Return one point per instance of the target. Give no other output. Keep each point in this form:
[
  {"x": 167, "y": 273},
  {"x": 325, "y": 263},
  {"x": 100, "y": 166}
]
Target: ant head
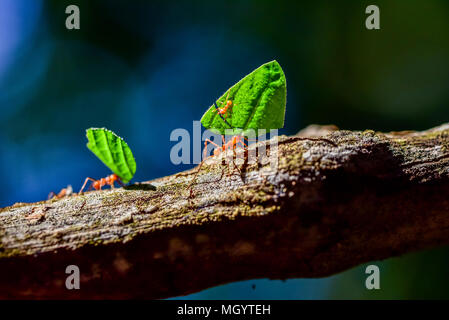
[
  {"x": 113, "y": 177},
  {"x": 229, "y": 103}
]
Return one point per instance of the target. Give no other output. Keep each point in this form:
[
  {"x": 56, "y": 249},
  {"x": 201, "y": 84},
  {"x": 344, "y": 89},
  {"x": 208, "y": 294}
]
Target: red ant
[
  {"x": 98, "y": 184},
  {"x": 231, "y": 144},
  {"x": 223, "y": 110}
]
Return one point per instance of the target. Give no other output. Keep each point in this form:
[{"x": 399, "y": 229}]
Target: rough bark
[{"x": 335, "y": 200}]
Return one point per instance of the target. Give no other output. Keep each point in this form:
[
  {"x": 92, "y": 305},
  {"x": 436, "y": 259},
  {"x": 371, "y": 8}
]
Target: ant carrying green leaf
[
  {"x": 256, "y": 102},
  {"x": 114, "y": 152}
]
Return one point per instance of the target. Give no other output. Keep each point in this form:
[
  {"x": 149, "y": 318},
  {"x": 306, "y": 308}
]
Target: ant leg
[
  {"x": 205, "y": 147},
  {"x": 223, "y": 139},
  {"x": 244, "y": 145},
  {"x": 249, "y": 140},
  {"x": 120, "y": 182},
  {"x": 196, "y": 174},
  {"x": 239, "y": 144},
  {"x": 256, "y": 150},
  {"x": 201, "y": 164},
  {"x": 233, "y": 161},
  {"x": 227, "y": 96},
  {"x": 84, "y": 185},
  {"x": 224, "y": 103},
  {"x": 226, "y": 114},
  {"x": 226, "y": 148},
  {"x": 217, "y": 109}
]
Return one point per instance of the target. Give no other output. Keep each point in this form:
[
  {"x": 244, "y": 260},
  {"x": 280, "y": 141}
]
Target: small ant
[
  {"x": 63, "y": 193},
  {"x": 98, "y": 184},
  {"x": 231, "y": 144},
  {"x": 223, "y": 110}
]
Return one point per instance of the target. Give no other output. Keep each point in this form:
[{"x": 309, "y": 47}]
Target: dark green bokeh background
[{"x": 144, "y": 68}]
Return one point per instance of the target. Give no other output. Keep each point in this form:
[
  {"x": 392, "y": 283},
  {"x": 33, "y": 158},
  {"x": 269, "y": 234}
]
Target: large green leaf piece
[
  {"x": 259, "y": 101},
  {"x": 113, "y": 151}
]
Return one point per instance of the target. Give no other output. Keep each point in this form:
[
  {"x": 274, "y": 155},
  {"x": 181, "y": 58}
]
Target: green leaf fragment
[
  {"x": 259, "y": 101},
  {"x": 113, "y": 151}
]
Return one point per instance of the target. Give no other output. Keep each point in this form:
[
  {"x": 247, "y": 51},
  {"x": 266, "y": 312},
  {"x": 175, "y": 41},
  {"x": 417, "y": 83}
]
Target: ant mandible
[{"x": 98, "y": 184}]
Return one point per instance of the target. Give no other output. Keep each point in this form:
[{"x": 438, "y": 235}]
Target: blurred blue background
[{"x": 145, "y": 68}]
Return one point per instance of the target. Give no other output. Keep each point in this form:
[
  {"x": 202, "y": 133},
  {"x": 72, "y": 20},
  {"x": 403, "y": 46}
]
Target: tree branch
[{"x": 336, "y": 199}]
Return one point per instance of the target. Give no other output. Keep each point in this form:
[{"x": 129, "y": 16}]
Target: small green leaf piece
[
  {"x": 113, "y": 151},
  {"x": 259, "y": 101}
]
